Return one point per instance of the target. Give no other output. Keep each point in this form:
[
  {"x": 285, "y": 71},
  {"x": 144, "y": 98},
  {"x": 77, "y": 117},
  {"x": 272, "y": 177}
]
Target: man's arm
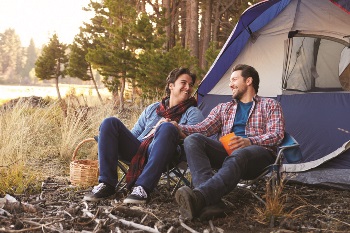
[
  {"x": 182, "y": 135},
  {"x": 209, "y": 126},
  {"x": 274, "y": 126},
  {"x": 191, "y": 117}
]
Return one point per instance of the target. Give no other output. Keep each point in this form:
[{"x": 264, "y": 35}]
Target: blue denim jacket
[{"x": 149, "y": 118}]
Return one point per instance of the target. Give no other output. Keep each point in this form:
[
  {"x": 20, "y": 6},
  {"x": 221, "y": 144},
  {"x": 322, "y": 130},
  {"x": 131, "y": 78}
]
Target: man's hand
[
  {"x": 238, "y": 142},
  {"x": 182, "y": 135}
]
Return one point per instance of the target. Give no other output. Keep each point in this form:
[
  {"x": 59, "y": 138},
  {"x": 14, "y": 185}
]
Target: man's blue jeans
[
  {"x": 116, "y": 142},
  {"x": 205, "y": 154}
]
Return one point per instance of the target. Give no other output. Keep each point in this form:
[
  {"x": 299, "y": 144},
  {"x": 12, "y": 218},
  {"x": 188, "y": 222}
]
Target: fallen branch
[
  {"x": 132, "y": 224},
  {"x": 117, "y": 230},
  {"x": 92, "y": 216},
  {"x": 144, "y": 218},
  {"x": 187, "y": 227},
  {"x": 131, "y": 212},
  {"x": 170, "y": 229},
  {"x": 22, "y": 230},
  {"x": 38, "y": 226},
  {"x": 45, "y": 225},
  {"x": 2, "y": 212},
  {"x": 65, "y": 212},
  {"x": 98, "y": 226},
  {"x": 212, "y": 227},
  {"x": 135, "y": 211},
  {"x": 313, "y": 229},
  {"x": 215, "y": 229},
  {"x": 10, "y": 204},
  {"x": 86, "y": 205}
]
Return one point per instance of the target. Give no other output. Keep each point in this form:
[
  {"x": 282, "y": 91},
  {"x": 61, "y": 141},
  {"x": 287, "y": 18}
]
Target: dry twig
[
  {"x": 336, "y": 219},
  {"x": 132, "y": 224},
  {"x": 187, "y": 227},
  {"x": 38, "y": 226}
]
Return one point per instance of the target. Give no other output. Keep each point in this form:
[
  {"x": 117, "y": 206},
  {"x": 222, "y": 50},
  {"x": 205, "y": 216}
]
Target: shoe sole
[
  {"x": 183, "y": 197},
  {"x": 131, "y": 201},
  {"x": 94, "y": 199}
]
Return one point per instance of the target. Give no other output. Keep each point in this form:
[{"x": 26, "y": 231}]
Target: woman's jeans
[
  {"x": 205, "y": 154},
  {"x": 116, "y": 142}
]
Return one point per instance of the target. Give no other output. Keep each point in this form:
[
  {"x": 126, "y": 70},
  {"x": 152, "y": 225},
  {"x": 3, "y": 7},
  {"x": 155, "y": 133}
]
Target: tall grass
[
  {"x": 19, "y": 179},
  {"x": 40, "y": 141},
  {"x": 26, "y": 131},
  {"x": 275, "y": 206},
  {"x": 274, "y": 203}
]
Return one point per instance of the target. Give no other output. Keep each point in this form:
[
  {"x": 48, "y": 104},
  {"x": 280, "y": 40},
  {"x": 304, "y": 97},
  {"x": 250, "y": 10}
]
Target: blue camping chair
[{"x": 288, "y": 151}]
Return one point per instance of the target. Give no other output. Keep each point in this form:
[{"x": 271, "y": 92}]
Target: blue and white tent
[{"x": 301, "y": 49}]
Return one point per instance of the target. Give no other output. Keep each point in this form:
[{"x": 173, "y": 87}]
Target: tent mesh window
[{"x": 316, "y": 64}]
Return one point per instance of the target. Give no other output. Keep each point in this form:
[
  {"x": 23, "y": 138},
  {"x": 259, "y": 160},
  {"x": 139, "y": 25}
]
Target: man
[
  {"x": 258, "y": 125},
  {"x": 150, "y": 145}
]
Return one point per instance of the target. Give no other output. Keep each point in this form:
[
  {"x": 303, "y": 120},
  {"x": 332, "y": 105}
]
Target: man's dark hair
[
  {"x": 174, "y": 75},
  {"x": 249, "y": 71}
]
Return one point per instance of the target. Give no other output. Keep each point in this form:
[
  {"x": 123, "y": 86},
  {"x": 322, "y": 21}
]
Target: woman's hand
[
  {"x": 161, "y": 121},
  {"x": 182, "y": 135}
]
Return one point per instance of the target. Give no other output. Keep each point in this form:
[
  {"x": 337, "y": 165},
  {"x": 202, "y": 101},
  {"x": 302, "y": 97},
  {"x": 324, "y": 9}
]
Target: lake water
[{"x": 11, "y": 92}]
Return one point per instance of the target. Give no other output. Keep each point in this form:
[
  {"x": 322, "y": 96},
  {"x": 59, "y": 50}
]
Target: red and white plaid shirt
[{"x": 265, "y": 124}]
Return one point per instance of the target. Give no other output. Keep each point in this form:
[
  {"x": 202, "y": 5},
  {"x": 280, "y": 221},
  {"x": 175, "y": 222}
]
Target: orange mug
[{"x": 225, "y": 140}]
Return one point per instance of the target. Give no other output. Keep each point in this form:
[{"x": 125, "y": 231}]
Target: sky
[{"x": 40, "y": 19}]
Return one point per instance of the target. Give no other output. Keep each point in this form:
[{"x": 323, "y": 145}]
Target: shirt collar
[{"x": 256, "y": 98}]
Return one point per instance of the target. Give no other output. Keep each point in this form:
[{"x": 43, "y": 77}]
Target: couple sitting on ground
[{"x": 257, "y": 122}]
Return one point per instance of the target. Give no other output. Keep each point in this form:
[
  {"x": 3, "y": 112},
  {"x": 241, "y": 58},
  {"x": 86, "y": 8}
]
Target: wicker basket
[{"x": 83, "y": 172}]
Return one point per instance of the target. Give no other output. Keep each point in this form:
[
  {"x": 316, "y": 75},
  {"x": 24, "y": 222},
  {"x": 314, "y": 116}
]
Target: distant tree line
[
  {"x": 134, "y": 41},
  {"x": 16, "y": 62}
]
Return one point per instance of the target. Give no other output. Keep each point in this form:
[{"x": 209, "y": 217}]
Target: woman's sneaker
[
  {"x": 100, "y": 192},
  {"x": 138, "y": 196}
]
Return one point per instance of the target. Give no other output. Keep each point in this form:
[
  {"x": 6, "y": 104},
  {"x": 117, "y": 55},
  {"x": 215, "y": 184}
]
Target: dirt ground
[{"x": 60, "y": 208}]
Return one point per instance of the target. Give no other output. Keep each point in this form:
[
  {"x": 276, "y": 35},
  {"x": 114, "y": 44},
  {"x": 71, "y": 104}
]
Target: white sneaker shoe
[{"x": 138, "y": 196}]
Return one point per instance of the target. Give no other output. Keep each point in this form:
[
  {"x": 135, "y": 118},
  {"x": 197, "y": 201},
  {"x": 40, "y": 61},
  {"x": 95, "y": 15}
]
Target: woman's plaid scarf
[{"x": 139, "y": 160}]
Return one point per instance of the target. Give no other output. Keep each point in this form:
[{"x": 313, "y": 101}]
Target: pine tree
[
  {"x": 11, "y": 54},
  {"x": 114, "y": 56},
  {"x": 31, "y": 55},
  {"x": 51, "y": 65},
  {"x": 78, "y": 66}
]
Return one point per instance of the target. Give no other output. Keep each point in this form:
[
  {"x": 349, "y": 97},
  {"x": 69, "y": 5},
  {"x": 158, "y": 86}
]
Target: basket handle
[{"x": 79, "y": 145}]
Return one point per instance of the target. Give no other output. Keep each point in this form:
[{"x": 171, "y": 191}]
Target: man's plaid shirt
[{"x": 265, "y": 124}]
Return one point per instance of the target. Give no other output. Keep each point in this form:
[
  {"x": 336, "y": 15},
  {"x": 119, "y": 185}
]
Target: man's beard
[{"x": 239, "y": 94}]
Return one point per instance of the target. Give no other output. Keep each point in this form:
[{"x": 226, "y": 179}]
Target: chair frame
[
  {"x": 175, "y": 173},
  {"x": 172, "y": 168},
  {"x": 177, "y": 178},
  {"x": 180, "y": 175},
  {"x": 274, "y": 169}
]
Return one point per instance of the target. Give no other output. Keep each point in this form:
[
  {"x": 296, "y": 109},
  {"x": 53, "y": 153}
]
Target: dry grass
[
  {"x": 275, "y": 202},
  {"x": 27, "y": 131},
  {"x": 275, "y": 206},
  {"x": 19, "y": 179},
  {"x": 35, "y": 139}
]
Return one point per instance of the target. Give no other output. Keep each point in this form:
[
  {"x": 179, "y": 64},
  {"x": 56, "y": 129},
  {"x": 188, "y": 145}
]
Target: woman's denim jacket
[{"x": 149, "y": 118}]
